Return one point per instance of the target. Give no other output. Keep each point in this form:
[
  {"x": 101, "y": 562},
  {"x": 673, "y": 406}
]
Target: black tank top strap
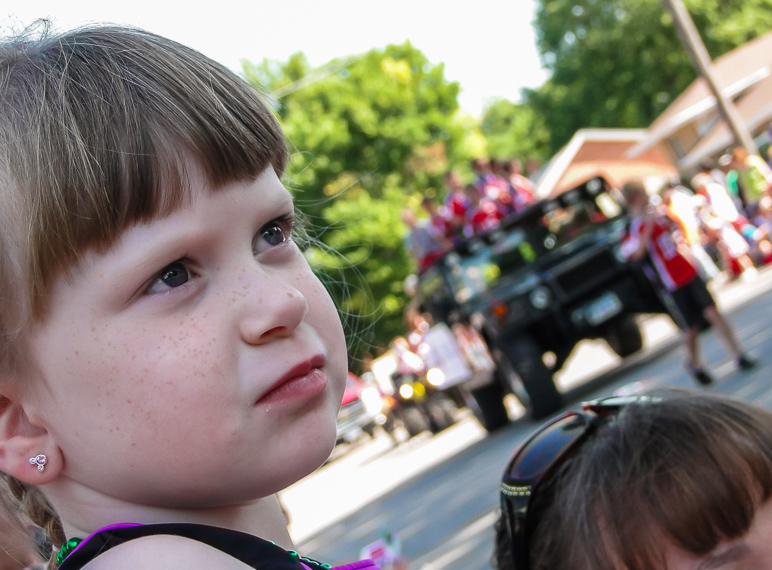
[{"x": 249, "y": 549}]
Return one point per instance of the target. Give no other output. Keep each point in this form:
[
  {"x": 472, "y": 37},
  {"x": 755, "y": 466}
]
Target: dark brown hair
[
  {"x": 690, "y": 470},
  {"x": 95, "y": 127}
]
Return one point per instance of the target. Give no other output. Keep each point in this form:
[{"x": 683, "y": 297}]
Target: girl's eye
[
  {"x": 273, "y": 233},
  {"x": 172, "y": 276}
]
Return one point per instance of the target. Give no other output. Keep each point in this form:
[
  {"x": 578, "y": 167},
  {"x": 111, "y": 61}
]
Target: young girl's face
[{"x": 198, "y": 361}]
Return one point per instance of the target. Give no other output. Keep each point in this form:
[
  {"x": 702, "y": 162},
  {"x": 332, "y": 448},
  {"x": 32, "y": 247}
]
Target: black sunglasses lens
[
  {"x": 530, "y": 462},
  {"x": 614, "y": 404},
  {"x": 538, "y": 457}
]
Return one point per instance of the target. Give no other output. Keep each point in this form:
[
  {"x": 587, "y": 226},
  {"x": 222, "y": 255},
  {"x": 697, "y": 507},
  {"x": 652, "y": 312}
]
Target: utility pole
[{"x": 702, "y": 63}]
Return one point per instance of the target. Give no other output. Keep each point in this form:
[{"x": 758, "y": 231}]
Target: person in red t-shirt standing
[{"x": 674, "y": 265}]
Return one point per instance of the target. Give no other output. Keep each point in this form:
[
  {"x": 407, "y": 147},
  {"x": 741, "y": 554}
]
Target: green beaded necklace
[
  {"x": 71, "y": 544},
  {"x": 65, "y": 550},
  {"x": 309, "y": 561}
]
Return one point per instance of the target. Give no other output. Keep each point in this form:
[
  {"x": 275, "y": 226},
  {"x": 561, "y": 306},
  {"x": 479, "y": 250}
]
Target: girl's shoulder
[
  {"x": 183, "y": 545},
  {"x": 162, "y": 552}
]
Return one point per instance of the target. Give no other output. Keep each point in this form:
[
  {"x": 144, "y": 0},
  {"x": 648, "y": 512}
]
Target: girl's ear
[{"x": 27, "y": 451}]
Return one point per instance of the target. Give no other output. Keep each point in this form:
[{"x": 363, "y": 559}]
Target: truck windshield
[
  {"x": 574, "y": 215},
  {"x": 548, "y": 227}
]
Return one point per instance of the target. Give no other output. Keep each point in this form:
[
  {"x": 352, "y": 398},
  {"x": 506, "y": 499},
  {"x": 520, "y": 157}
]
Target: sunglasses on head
[{"x": 537, "y": 459}]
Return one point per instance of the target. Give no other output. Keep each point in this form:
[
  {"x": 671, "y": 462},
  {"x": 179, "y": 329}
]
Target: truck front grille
[{"x": 585, "y": 274}]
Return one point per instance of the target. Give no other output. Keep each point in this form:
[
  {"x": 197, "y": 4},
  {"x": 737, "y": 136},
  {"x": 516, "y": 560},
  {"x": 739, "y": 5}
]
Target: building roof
[
  {"x": 601, "y": 152},
  {"x": 737, "y": 71},
  {"x": 755, "y": 109}
]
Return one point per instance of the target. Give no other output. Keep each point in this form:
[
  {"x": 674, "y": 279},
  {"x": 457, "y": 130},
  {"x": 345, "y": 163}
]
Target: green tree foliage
[
  {"x": 620, "y": 63},
  {"x": 386, "y": 112},
  {"x": 370, "y": 135},
  {"x": 514, "y": 130}
]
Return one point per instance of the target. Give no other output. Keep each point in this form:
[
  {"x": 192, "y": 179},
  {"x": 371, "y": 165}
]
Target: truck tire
[
  {"x": 508, "y": 377},
  {"x": 524, "y": 359},
  {"x": 487, "y": 405},
  {"x": 624, "y": 337}
]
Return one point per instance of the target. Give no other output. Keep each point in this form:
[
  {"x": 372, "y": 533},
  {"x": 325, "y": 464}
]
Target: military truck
[{"x": 546, "y": 279}]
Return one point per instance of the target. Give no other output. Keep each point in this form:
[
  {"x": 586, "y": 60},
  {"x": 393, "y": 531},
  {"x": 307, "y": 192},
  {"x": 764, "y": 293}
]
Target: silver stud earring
[{"x": 40, "y": 461}]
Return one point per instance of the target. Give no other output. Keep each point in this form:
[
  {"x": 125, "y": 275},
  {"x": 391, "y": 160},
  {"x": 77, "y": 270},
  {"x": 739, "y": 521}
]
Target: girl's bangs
[{"x": 103, "y": 122}]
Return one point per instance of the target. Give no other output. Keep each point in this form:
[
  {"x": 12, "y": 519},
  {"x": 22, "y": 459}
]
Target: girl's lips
[{"x": 302, "y": 382}]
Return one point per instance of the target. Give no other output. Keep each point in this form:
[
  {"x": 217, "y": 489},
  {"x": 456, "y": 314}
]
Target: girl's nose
[{"x": 272, "y": 314}]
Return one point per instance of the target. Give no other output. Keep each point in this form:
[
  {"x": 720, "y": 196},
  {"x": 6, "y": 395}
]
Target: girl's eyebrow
[
  {"x": 718, "y": 558},
  {"x": 169, "y": 239}
]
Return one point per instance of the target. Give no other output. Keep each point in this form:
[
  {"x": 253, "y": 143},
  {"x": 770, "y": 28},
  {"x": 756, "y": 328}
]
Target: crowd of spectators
[
  {"x": 497, "y": 190},
  {"x": 725, "y": 218}
]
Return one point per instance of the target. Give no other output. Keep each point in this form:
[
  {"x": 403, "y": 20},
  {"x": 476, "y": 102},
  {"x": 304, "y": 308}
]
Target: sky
[{"x": 488, "y": 46}]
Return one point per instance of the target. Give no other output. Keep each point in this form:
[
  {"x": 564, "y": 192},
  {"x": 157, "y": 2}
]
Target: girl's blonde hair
[{"x": 94, "y": 126}]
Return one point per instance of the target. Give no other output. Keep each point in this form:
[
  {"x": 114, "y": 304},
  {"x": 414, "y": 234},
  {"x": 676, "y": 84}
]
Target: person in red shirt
[
  {"x": 456, "y": 203},
  {"x": 670, "y": 255},
  {"x": 423, "y": 240},
  {"x": 438, "y": 215},
  {"x": 483, "y": 214}
]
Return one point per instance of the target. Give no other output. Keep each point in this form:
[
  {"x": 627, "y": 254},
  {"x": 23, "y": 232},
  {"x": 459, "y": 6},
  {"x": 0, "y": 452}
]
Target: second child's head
[
  {"x": 163, "y": 341},
  {"x": 677, "y": 480}
]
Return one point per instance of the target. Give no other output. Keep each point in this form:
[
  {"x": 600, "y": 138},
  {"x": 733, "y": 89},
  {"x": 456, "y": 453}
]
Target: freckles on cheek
[{"x": 181, "y": 357}]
